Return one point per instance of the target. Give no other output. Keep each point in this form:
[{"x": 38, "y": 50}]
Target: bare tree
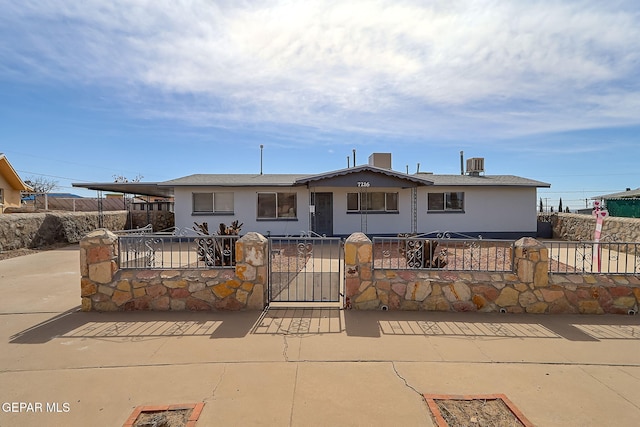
[
  {"x": 122, "y": 178},
  {"x": 41, "y": 184}
]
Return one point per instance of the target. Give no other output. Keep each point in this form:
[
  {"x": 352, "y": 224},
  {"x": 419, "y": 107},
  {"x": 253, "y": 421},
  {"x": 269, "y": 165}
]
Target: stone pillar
[
  {"x": 252, "y": 260},
  {"x": 98, "y": 263},
  {"x": 358, "y": 258},
  {"x": 531, "y": 262}
]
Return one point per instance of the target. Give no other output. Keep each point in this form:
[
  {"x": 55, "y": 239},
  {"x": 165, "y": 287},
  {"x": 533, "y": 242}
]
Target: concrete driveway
[{"x": 297, "y": 367}]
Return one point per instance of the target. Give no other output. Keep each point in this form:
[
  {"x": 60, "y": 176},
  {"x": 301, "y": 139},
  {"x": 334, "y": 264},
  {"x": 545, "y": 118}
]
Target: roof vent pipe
[
  {"x": 354, "y": 157},
  {"x": 461, "y": 162},
  {"x": 418, "y": 168},
  {"x": 348, "y": 162},
  {"x": 261, "y": 149}
]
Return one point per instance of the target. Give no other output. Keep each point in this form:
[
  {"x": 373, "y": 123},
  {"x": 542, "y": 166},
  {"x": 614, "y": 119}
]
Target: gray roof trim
[
  {"x": 235, "y": 180},
  {"x": 485, "y": 180},
  {"x": 364, "y": 168}
]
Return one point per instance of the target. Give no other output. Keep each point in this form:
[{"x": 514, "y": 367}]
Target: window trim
[
  {"x": 372, "y": 211},
  {"x": 213, "y": 203},
  {"x": 445, "y": 210},
  {"x": 277, "y": 214}
]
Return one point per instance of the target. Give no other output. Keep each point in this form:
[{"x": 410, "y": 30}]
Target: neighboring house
[
  {"x": 151, "y": 204},
  {"x": 11, "y": 185},
  {"x": 624, "y": 204},
  {"x": 370, "y": 198}
]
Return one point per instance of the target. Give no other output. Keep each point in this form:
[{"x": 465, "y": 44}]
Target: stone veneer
[
  {"x": 105, "y": 287},
  {"x": 576, "y": 227},
  {"x": 528, "y": 289}
]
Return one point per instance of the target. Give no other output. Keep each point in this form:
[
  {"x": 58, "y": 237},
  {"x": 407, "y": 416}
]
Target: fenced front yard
[
  {"x": 594, "y": 257},
  {"x": 167, "y": 251},
  {"x": 403, "y": 253},
  {"x": 491, "y": 255}
]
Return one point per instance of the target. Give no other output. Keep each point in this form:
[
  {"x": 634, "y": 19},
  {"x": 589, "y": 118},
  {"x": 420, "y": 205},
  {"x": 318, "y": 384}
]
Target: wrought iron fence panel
[
  {"x": 305, "y": 269},
  {"x": 442, "y": 253},
  {"x": 594, "y": 257},
  {"x": 162, "y": 251}
]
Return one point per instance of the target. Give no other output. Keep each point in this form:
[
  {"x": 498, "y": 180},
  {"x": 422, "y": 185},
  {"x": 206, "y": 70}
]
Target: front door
[{"x": 322, "y": 220}]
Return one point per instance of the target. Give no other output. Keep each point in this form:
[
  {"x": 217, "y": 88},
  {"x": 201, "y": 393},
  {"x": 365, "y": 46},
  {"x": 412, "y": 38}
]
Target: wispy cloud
[{"x": 488, "y": 68}]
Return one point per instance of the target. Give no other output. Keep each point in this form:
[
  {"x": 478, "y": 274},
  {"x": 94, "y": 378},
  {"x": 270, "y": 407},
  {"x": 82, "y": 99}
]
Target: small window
[
  {"x": 221, "y": 202},
  {"x": 372, "y": 202},
  {"x": 445, "y": 202},
  {"x": 202, "y": 202},
  {"x": 277, "y": 205}
]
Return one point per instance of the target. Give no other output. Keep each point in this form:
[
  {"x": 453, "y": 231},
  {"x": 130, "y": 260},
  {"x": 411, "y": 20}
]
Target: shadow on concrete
[
  {"x": 495, "y": 325},
  {"x": 318, "y": 321},
  {"x": 139, "y": 325}
]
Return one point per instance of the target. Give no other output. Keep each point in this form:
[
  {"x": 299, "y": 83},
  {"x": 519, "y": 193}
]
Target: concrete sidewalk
[{"x": 298, "y": 367}]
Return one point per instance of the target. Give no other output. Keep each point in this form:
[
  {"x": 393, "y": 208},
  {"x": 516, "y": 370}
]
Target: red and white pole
[{"x": 600, "y": 215}]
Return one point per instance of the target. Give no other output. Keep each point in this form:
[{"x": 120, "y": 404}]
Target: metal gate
[{"x": 305, "y": 269}]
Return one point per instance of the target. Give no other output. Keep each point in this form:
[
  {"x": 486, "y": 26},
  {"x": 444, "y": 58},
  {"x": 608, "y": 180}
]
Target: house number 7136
[{"x": 364, "y": 184}]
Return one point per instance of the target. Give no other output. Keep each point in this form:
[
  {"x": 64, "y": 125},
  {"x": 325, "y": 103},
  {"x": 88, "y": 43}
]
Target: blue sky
[{"x": 543, "y": 89}]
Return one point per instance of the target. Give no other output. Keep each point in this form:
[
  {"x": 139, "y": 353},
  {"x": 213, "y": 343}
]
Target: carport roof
[{"x": 141, "y": 188}]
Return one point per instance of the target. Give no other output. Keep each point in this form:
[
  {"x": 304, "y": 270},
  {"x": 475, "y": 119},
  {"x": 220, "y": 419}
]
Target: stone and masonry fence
[
  {"x": 105, "y": 287},
  {"x": 576, "y": 227},
  {"x": 34, "y": 230},
  {"x": 528, "y": 289},
  {"x": 160, "y": 220}
]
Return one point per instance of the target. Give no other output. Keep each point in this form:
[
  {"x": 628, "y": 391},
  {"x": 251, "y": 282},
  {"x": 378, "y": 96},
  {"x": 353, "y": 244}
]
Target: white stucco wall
[
  {"x": 245, "y": 210},
  {"x": 487, "y": 209}
]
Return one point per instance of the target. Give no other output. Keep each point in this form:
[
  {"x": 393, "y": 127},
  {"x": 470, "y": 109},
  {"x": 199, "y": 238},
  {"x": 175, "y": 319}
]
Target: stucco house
[
  {"x": 10, "y": 185},
  {"x": 371, "y": 198}
]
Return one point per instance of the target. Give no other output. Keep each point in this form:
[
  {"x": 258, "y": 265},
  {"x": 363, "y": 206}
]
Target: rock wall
[
  {"x": 33, "y": 230},
  {"x": 106, "y": 287},
  {"x": 576, "y": 227},
  {"x": 160, "y": 220},
  {"x": 528, "y": 289}
]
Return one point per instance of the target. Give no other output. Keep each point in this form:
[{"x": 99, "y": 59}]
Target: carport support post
[{"x": 360, "y": 290}]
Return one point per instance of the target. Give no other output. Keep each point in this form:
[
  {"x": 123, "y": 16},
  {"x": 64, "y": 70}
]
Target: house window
[
  {"x": 277, "y": 205},
  {"x": 445, "y": 202},
  {"x": 372, "y": 202},
  {"x": 219, "y": 203},
  {"x": 1, "y": 196}
]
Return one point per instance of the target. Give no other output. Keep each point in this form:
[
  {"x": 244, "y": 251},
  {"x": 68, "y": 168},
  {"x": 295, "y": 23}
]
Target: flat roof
[{"x": 166, "y": 188}]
